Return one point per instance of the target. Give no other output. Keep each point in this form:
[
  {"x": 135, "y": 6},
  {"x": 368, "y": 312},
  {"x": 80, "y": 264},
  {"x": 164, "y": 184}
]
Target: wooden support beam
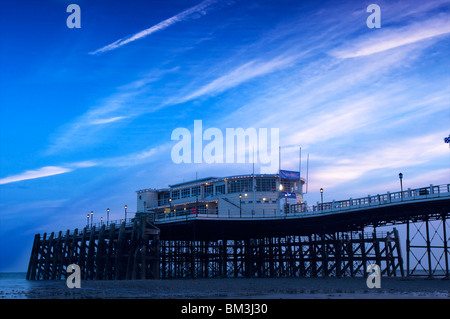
[
  {"x": 31, "y": 272},
  {"x": 99, "y": 260},
  {"x": 119, "y": 248},
  {"x": 47, "y": 261}
]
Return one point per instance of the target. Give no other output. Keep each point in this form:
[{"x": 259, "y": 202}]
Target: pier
[{"x": 327, "y": 239}]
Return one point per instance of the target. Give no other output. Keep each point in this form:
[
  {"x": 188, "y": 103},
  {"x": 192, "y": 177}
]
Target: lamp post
[
  {"x": 281, "y": 189},
  {"x": 126, "y": 214},
  {"x": 107, "y": 216},
  {"x": 285, "y": 203},
  {"x": 321, "y": 200},
  {"x": 196, "y": 205},
  {"x": 87, "y": 216},
  {"x": 400, "y": 176},
  {"x": 170, "y": 205},
  {"x": 92, "y": 218},
  {"x": 240, "y": 205},
  {"x": 101, "y": 221}
]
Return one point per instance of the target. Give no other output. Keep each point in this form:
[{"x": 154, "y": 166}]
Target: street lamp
[
  {"x": 107, "y": 216},
  {"x": 101, "y": 221},
  {"x": 400, "y": 176},
  {"x": 240, "y": 205},
  {"x": 285, "y": 203},
  {"x": 321, "y": 199},
  {"x": 92, "y": 218},
  {"x": 126, "y": 214},
  {"x": 170, "y": 203},
  {"x": 87, "y": 220}
]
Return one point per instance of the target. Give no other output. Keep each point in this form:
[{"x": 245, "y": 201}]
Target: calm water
[
  {"x": 13, "y": 282},
  {"x": 13, "y": 285}
]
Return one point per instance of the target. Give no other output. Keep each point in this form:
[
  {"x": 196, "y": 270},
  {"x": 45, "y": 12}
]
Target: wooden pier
[
  {"x": 105, "y": 253},
  {"x": 304, "y": 243},
  {"x": 136, "y": 251},
  {"x": 338, "y": 255}
]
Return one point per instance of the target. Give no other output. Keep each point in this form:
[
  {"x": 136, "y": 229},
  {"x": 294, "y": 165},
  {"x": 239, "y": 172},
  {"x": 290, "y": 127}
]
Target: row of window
[
  {"x": 246, "y": 185},
  {"x": 234, "y": 186},
  {"x": 259, "y": 202}
]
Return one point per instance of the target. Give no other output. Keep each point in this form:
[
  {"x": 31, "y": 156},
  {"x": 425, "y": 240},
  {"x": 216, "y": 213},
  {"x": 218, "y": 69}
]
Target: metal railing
[
  {"x": 303, "y": 210},
  {"x": 296, "y": 210},
  {"x": 432, "y": 191}
]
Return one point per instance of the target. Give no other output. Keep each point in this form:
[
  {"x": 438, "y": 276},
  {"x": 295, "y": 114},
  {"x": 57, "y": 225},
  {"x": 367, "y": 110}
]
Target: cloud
[
  {"x": 47, "y": 171},
  {"x": 241, "y": 74},
  {"x": 391, "y": 38},
  {"x": 201, "y": 9},
  {"x": 403, "y": 153},
  {"x": 33, "y": 174},
  {"x": 119, "y": 161},
  {"x": 107, "y": 120},
  {"x": 125, "y": 103},
  {"x": 137, "y": 158}
]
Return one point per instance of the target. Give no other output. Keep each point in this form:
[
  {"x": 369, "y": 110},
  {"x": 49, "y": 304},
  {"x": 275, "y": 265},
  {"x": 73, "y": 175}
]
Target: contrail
[{"x": 202, "y": 9}]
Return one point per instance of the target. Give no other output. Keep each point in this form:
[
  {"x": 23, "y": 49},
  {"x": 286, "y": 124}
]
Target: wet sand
[{"x": 238, "y": 288}]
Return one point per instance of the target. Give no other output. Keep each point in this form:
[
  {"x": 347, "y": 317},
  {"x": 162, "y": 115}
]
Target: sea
[{"x": 13, "y": 285}]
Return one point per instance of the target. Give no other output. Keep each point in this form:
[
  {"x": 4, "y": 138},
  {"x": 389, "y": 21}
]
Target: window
[
  {"x": 208, "y": 190},
  {"x": 240, "y": 185},
  {"x": 163, "y": 198},
  {"x": 266, "y": 184},
  {"x": 220, "y": 189},
  {"x": 176, "y": 194},
  {"x": 195, "y": 191},
  {"x": 185, "y": 193},
  {"x": 289, "y": 186}
]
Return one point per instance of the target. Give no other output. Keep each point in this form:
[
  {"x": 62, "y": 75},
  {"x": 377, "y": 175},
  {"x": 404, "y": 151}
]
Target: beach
[{"x": 230, "y": 288}]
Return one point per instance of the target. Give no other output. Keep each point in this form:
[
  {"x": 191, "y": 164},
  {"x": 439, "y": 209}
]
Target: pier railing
[
  {"x": 432, "y": 191},
  {"x": 303, "y": 210},
  {"x": 298, "y": 210}
]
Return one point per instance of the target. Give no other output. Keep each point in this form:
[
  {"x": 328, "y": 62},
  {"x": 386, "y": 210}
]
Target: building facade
[{"x": 242, "y": 195}]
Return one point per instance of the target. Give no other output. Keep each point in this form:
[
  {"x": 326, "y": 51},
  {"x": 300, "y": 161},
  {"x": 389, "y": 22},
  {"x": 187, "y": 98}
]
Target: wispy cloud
[
  {"x": 241, "y": 74},
  {"x": 133, "y": 159},
  {"x": 107, "y": 120},
  {"x": 200, "y": 9},
  {"x": 391, "y": 38},
  {"x": 46, "y": 171},
  {"x": 87, "y": 128},
  {"x": 401, "y": 154},
  {"x": 33, "y": 174}
]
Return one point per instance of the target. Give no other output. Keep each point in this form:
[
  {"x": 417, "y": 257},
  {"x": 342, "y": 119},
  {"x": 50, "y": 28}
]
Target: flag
[{"x": 447, "y": 139}]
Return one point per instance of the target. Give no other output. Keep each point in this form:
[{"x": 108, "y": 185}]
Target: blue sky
[{"x": 86, "y": 115}]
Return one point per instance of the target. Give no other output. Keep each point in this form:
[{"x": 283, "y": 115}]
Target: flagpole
[
  {"x": 307, "y": 172},
  {"x": 300, "y": 171},
  {"x": 254, "y": 184}
]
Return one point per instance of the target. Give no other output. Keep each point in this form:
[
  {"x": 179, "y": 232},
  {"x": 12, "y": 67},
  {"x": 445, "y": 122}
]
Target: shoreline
[{"x": 236, "y": 288}]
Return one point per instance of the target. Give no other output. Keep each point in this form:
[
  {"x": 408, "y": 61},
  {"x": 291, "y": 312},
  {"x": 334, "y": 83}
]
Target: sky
[{"x": 87, "y": 114}]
